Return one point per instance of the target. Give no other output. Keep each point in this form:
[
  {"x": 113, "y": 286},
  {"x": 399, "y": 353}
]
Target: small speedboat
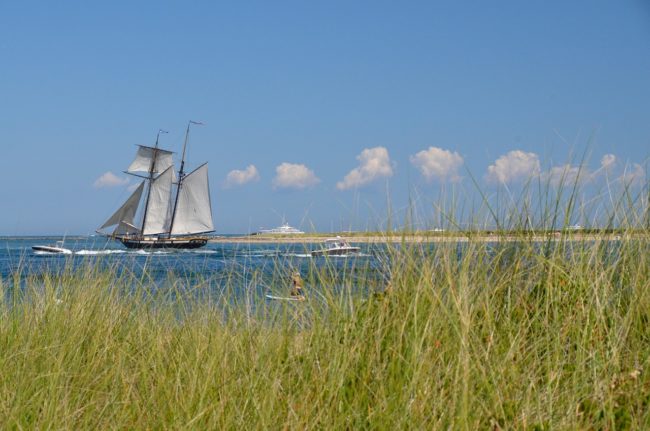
[
  {"x": 336, "y": 247},
  {"x": 54, "y": 249}
]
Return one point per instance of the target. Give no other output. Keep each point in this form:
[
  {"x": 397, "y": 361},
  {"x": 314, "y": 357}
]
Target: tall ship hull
[
  {"x": 165, "y": 210},
  {"x": 161, "y": 243}
]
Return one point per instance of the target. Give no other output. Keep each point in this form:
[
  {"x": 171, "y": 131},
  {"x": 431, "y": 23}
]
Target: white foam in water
[
  {"x": 203, "y": 251},
  {"x": 47, "y": 253},
  {"x": 149, "y": 253},
  {"x": 114, "y": 251},
  {"x": 98, "y": 252},
  {"x": 152, "y": 253}
]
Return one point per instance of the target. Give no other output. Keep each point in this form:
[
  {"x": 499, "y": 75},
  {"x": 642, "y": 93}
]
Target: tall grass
[{"x": 529, "y": 335}]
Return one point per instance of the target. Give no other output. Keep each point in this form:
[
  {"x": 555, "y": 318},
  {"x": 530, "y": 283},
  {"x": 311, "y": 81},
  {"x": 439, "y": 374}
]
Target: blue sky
[{"x": 308, "y": 92}]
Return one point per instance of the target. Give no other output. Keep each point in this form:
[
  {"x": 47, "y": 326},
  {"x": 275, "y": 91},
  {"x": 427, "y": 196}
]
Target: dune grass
[
  {"x": 521, "y": 335},
  {"x": 513, "y": 335}
]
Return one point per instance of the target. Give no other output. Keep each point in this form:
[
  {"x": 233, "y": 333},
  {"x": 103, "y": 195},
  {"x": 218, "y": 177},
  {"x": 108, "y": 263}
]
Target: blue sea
[{"x": 263, "y": 268}]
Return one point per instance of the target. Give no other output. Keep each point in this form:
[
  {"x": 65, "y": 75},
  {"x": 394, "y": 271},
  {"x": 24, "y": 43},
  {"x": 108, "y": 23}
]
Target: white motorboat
[
  {"x": 54, "y": 249},
  {"x": 281, "y": 230},
  {"x": 336, "y": 247}
]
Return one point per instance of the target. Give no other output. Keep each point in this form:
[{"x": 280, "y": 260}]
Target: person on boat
[{"x": 296, "y": 285}]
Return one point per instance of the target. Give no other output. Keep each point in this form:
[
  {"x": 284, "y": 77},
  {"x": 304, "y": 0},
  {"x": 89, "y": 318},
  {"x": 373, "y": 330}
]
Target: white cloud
[
  {"x": 515, "y": 165},
  {"x": 238, "y": 177},
  {"x": 565, "y": 175},
  {"x": 607, "y": 161},
  {"x": 436, "y": 163},
  {"x": 374, "y": 163},
  {"x": 109, "y": 179},
  {"x": 633, "y": 175},
  {"x": 294, "y": 176}
]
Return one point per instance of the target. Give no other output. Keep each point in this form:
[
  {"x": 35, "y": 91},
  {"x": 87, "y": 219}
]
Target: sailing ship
[{"x": 174, "y": 212}]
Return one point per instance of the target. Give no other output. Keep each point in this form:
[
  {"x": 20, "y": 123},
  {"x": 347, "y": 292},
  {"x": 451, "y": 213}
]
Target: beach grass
[
  {"x": 516, "y": 336},
  {"x": 513, "y": 335}
]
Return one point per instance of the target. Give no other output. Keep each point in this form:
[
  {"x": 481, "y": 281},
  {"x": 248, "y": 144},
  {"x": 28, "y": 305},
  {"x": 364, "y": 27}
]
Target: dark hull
[{"x": 175, "y": 243}]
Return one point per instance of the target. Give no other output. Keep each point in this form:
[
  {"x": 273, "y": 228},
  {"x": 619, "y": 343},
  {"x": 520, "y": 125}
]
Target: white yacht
[
  {"x": 281, "y": 230},
  {"x": 336, "y": 247}
]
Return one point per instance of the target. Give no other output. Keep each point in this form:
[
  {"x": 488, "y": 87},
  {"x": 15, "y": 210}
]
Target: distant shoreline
[{"x": 421, "y": 238}]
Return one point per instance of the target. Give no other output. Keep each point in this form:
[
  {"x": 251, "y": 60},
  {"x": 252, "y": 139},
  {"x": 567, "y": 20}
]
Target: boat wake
[
  {"x": 298, "y": 255},
  {"x": 152, "y": 253},
  {"x": 98, "y": 252},
  {"x": 138, "y": 252},
  {"x": 49, "y": 253}
]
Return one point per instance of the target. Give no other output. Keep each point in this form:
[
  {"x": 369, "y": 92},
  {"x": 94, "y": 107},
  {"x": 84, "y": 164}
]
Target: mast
[
  {"x": 181, "y": 174},
  {"x": 151, "y": 171}
]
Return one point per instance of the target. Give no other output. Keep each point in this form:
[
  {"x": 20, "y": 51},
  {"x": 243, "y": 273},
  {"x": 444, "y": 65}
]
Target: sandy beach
[{"x": 419, "y": 238}]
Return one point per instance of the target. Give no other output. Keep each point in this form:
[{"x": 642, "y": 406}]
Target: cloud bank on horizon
[{"x": 434, "y": 165}]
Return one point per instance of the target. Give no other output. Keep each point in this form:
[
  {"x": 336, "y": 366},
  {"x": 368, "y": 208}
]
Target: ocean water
[{"x": 262, "y": 268}]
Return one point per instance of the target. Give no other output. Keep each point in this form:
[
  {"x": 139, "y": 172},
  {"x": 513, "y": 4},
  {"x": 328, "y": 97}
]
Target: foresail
[
  {"x": 144, "y": 157},
  {"x": 124, "y": 228},
  {"x": 194, "y": 210},
  {"x": 159, "y": 208},
  {"x": 126, "y": 212}
]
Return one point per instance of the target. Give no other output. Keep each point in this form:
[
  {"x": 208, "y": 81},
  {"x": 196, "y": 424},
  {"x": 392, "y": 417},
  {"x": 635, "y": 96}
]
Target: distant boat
[
  {"x": 282, "y": 230},
  {"x": 336, "y": 247},
  {"x": 173, "y": 214},
  {"x": 54, "y": 249},
  {"x": 286, "y": 298}
]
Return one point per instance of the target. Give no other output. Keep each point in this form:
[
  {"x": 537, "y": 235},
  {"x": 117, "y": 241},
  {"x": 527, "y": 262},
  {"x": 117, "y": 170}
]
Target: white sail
[
  {"x": 159, "y": 207},
  {"x": 126, "y": 212},
  {"x": 194, "y": 210},
  {"x": 144, "y": 157}
]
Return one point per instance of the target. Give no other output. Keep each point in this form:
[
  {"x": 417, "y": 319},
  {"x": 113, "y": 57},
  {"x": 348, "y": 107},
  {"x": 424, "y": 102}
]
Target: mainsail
[
  {"x": 158, "y": 212},
  {"x": 194, "y": 210},
  {"x": 126, "y": 213},
  {"x": 145, "y": 157}
]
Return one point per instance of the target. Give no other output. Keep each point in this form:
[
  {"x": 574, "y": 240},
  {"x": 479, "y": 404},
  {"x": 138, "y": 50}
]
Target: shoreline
[{"x": 479, "y": 237}]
